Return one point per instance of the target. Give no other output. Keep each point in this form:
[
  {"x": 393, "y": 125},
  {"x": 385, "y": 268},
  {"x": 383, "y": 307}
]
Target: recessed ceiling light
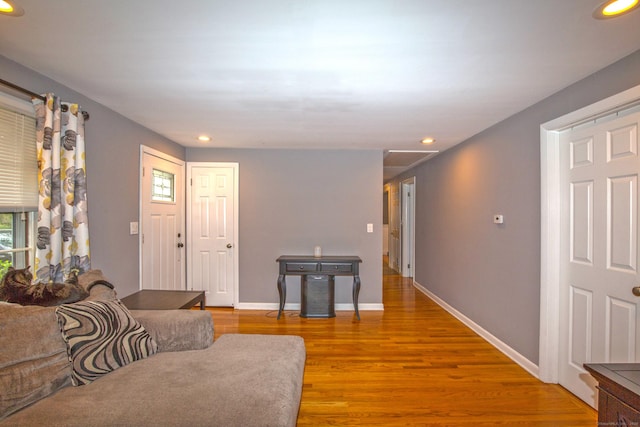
[
  {"x": 613, "y": 8},
  {"x": 428, "y": 141},
  {"x": 9, "y": 9},
  {"x": 204, "y": 138}
]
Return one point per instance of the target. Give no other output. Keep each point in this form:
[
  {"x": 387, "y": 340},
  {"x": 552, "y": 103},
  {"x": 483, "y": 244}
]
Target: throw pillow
[{"x": 101, "y": 336}]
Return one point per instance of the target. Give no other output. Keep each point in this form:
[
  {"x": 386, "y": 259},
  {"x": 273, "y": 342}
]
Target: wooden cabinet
[{"x": 619, "y": 393}]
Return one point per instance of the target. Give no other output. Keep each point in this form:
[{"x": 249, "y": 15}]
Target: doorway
[
  {"x": 401, "y": 226},
  {"x": 566, "y": 306},
  {"x": 408, "y": 227},
  {"x": 599, "y": 252},
  {"x": 394, "y": 227}
]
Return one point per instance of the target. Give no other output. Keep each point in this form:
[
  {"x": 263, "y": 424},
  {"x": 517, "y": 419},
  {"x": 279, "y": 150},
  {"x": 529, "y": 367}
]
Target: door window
[{"x": 163, "y": 188}]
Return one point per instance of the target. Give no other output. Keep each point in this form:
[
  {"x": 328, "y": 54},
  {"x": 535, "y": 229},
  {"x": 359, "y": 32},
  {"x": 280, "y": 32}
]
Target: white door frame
[
  {"x": 152, "y": 151},
  {"x": 408, "y": 230},
  {"x": 550, "y": 226},
  {"x": 236, "y": 235}
]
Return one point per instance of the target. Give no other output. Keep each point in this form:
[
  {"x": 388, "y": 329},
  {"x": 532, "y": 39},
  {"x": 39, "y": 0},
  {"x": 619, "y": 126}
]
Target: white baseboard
[
  {"x": 296, "y": 306},
  {"x": 525, "y": 363}
]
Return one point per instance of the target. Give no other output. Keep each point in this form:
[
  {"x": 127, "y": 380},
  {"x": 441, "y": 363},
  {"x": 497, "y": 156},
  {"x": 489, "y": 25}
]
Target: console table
[
  {"x": 301, "y": 265},
  {"x": 619, "y": 396}
]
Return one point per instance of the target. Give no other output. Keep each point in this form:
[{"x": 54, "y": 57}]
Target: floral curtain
[{"x": 62, "y": 246}]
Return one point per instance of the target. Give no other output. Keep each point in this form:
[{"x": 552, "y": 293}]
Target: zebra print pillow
[{"x": 101, "y": 336}]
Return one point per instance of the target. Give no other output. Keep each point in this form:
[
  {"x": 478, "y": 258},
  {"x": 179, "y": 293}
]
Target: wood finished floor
[{"x": 411, "y": 365}]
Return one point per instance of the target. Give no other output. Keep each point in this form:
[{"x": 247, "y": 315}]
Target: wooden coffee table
[{"x": 152, "y": 299}]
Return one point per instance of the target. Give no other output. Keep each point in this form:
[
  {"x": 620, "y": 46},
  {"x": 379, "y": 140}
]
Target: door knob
[
  {"x": 181, "y": 245},
  {"x": 636, "y": 291},
  {"x": 229, "y": 245}
]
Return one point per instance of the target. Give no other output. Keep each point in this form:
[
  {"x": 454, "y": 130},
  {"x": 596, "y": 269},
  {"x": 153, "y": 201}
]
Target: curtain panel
[{"x": 62, "y": 247}]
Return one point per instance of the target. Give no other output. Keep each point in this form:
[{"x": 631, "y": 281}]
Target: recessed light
[
  {"x": 7, "y": 8},
  {"x": 204, "y": 138},
  {"x": 428, "y": 141},
  {"x": 613, "y": 8}
]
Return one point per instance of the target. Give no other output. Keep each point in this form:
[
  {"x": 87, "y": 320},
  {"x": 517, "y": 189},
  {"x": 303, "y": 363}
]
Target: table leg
[
  {"x": 356, "y": 292},
  {"x": 282, "y": 291},
  {"x": 202, "y": 303}
]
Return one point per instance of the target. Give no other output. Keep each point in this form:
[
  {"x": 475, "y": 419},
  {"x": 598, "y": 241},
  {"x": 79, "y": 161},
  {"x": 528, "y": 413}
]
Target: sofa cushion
[
  {"x": 177, "y": 330},
  {"x": 241, "y": 380},
  {"x": 33, "y": 356},
  {"x": 101, "y": 336},
  {"x": 98, "y": 286}
]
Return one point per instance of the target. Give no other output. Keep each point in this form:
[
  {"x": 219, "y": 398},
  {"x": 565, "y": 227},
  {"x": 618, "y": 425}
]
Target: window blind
[{"x": 18, "y": 162}]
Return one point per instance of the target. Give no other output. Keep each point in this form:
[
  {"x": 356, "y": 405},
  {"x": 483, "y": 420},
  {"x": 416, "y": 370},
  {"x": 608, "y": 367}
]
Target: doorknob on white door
[
  {"x": 229, "y": 245},
  {"x": 636, "y": 291}
]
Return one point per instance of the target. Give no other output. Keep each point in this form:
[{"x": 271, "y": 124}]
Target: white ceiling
[{"x": 358, "y": 74}]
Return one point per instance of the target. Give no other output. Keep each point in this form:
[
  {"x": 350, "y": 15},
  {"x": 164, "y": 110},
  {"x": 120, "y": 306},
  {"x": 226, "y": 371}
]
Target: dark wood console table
[
  {"x": 619, "y": 395},
  {"x": 152, "y": 299},
  {"x": 301, "y": 265}
]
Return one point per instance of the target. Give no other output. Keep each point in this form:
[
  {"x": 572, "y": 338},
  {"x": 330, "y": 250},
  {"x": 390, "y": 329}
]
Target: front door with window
[{"x": 162, "y": 221}]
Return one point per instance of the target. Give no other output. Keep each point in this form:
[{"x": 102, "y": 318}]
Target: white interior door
[
  {"x": 161, "y": 221},
  {"x": 213, "y": 231},
  {"x": 408, "y": 215},
  {"x": 599, "y": 314}
]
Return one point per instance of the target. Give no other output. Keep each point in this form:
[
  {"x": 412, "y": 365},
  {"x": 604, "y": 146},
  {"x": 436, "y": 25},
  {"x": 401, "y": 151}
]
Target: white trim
[
  {"x": 549, "y": 257},
  {"x": 525, "y": 363},
  {"x": 296, "y": 306},
  {"x": 236, "y": 205},
  {"x": 153, "y": 152},
  {"x": 551, "y": 223},
  {"x": 160, "y": 154}
]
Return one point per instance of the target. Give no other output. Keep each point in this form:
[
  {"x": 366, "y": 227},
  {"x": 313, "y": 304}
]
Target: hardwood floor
[{"x": 411, "y": 365}]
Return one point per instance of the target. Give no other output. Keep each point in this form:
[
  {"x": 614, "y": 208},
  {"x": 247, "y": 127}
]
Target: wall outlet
[{"x": 498, "y": 219}]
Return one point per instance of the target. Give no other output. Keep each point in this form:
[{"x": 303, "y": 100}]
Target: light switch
[
  {"x": 133, "y": 228},
  {"x": 369, "y": 228}
]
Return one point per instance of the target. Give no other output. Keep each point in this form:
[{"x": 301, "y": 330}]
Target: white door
[
  {"x": 599, "y": 314},
  {"x": 161, "y": 221},
  {"x": 213, "y": 231},
  {"x": 394, "y": 228},
  {"x": 408, "y": 224}
]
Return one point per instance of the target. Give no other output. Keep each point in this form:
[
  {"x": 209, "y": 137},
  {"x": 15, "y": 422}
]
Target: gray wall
[
  {"x": 491, "y": 273},
  {"x": 292, "y": 200},
  {"x": 113, "y": 152}
]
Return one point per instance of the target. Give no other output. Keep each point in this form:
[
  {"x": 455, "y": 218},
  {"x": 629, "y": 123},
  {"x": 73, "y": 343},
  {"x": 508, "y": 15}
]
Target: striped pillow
[{"x": 101, "y": 336}]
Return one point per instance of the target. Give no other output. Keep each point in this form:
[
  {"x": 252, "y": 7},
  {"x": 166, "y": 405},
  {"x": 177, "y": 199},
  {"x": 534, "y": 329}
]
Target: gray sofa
[{"x": 240, "y": 380}]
